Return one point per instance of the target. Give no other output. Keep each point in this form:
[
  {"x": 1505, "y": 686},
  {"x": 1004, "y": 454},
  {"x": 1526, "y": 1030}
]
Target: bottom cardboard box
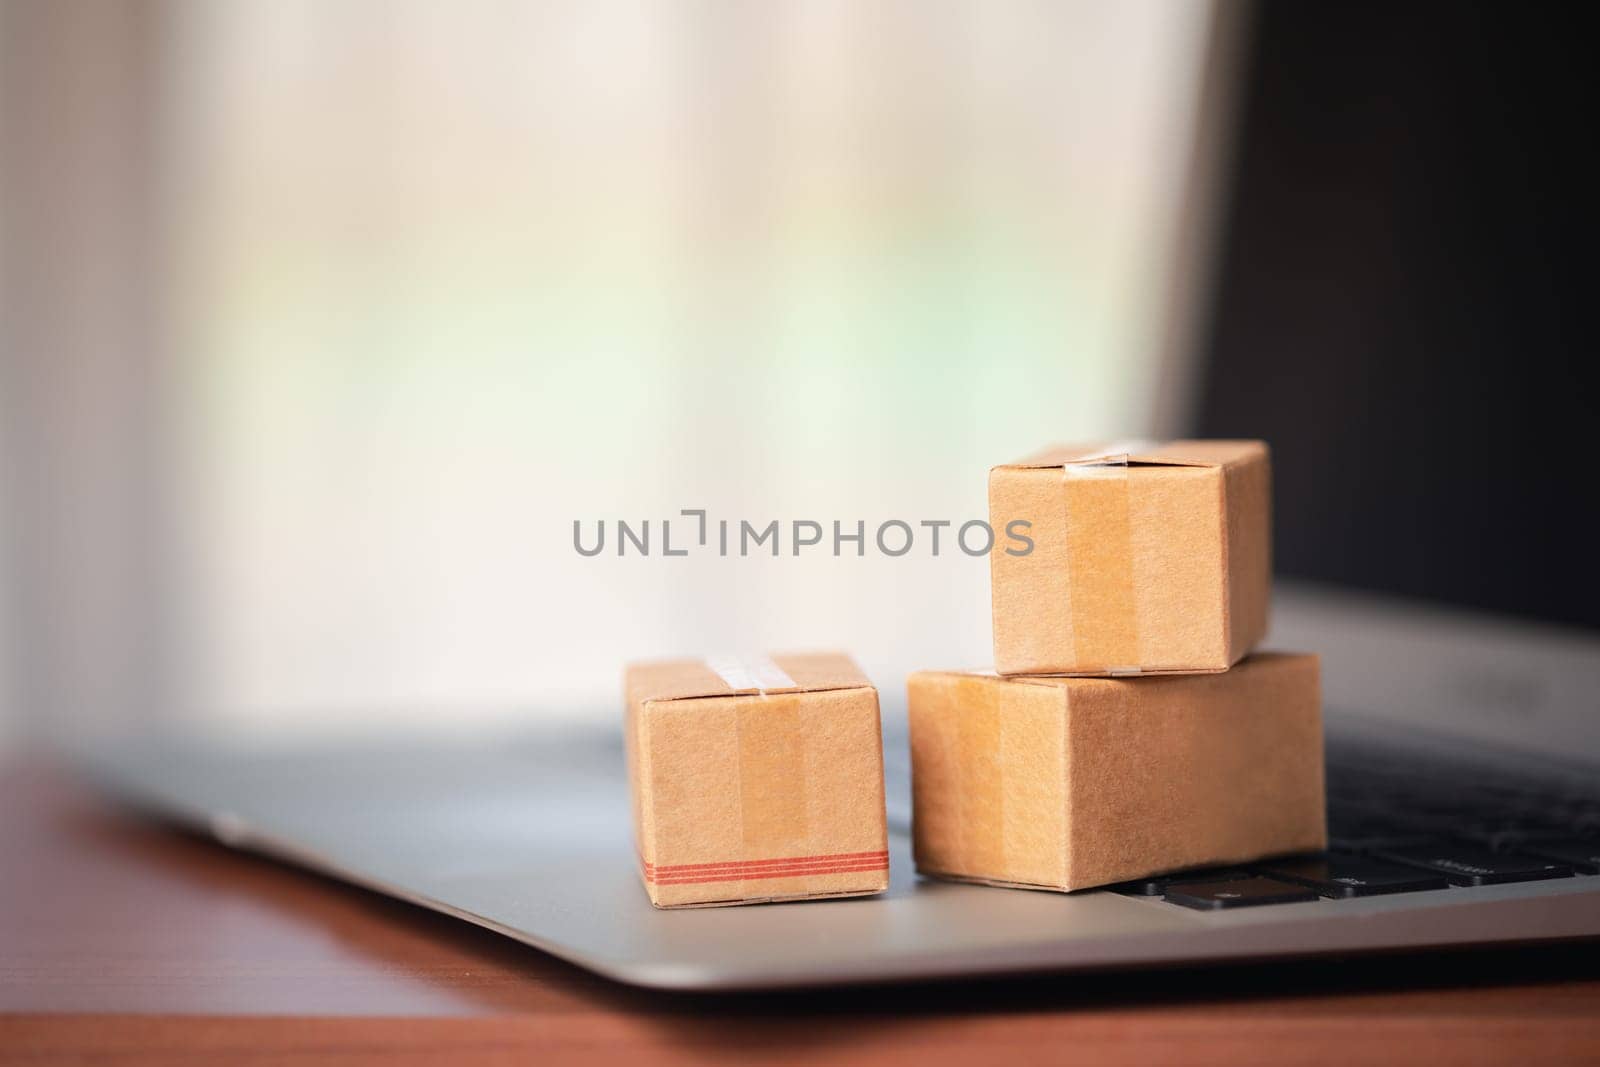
[{"x": 1070, "y": 783}]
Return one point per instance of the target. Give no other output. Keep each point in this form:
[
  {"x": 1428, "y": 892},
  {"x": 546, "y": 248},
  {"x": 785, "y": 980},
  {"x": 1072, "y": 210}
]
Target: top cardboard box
[{"x": 1147, "y": 558}]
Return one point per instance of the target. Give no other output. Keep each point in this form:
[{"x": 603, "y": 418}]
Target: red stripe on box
[
  {"x": 772, "y": 875},
  {"x": 734, "y": 869},
  {"x": 837, "y": 857},
  {"x": 757, "y": 876},
  {"x": 754, "y": 870}
]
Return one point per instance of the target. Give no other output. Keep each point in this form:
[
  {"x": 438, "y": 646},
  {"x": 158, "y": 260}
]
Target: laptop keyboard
[{"x": 1398, "y": 823}]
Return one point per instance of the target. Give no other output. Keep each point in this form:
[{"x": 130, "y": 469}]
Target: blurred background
[{"x": 323, "y": 322}]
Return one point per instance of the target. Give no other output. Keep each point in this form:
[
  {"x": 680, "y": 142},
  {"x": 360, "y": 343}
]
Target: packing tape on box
[
  {"x": 979, "y": 741},
  {"x": 759, "y": 674},
  {"x": 1102, "y": 608},
  {"x": 773, "y": 807}
]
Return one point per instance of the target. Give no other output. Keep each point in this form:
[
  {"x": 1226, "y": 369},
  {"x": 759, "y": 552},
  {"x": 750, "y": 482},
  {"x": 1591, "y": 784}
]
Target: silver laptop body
[{"x": 530, "y": 836}]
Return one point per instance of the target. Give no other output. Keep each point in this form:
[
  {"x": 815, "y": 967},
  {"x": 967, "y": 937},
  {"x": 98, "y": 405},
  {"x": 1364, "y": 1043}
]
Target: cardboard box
[
  {"x": 1066, "y": 783},
  {"x": 1147, "y": 559},
  {"x": 756, "y": 781}
]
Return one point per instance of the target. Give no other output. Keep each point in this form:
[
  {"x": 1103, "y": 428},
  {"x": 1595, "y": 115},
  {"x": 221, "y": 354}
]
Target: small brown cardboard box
[
  {"x": 1145, "y": 559},
  {"x": 1066, "y": 783},
  {"x": 756, "y": 781}
]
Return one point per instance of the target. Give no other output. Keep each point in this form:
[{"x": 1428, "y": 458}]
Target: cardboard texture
[
  {"x": 1159, "y": 562},
  {"x": 756, "y": 782},
  {"x": 1067, "y": 783}
]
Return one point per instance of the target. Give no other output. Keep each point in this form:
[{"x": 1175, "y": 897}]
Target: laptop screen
[{"x": 1398, "y": 308}]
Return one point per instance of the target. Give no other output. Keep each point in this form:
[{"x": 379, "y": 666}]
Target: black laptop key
[
  {"x": 1467, "y": 865},
  {"x": 1579, "y": 854},
  {"x": 1238, "y": 893},
  {"x": 1508, "y": 837},
  {"x": 1156, "y": 885},
  {"x": 1375, "y": 839},
  {"x": 1337, "y": 875}
]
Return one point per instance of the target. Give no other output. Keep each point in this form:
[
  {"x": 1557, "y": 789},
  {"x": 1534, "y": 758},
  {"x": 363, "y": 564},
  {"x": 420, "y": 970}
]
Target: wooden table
[{"x": 121, "y": 939}]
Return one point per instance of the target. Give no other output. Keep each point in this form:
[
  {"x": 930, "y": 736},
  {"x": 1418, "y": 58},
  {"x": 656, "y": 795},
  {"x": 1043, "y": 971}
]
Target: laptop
[
  {"x": 1461, "y": 657},
  {"x": 1453, "y": 821}
]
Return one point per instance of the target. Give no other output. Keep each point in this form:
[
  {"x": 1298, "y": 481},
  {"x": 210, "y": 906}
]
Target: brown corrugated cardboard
[
  {"x": 1066, "y": 783},
  {"x": 1156, "y": 561},
  {"x": 756, "y": 781}
]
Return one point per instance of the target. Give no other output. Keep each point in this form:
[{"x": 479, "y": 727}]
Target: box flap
[
  {"x": 1145, "y": 454},
  {"x": 1070, "y": 679},
  {"x": 1059, "y": 681},
  {"x": 718, "y": 676}
]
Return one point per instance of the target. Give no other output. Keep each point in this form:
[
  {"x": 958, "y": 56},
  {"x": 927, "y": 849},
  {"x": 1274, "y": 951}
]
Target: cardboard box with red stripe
[{"x": 756, "y": 780}]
